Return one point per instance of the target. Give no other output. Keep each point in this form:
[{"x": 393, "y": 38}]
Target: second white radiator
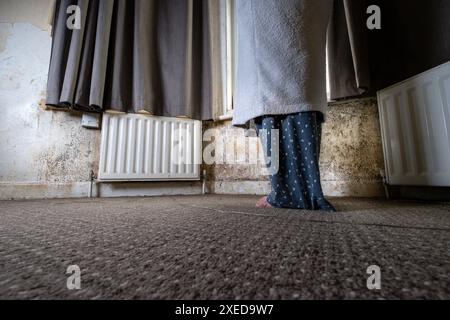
[{"x": 415, "y": 127}]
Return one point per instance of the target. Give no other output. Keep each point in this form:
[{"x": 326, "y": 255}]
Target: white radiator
[
  {"x": 415, "y": 127},
  {"x": 147, "y": 148}
]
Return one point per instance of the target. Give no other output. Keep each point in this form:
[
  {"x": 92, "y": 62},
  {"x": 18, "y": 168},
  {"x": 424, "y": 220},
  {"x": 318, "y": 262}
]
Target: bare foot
[{"x": 262, "y": 203}]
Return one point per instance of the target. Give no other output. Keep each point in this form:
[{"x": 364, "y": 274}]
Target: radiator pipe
[
  {"x": 91, "y": 182},
  {"x": 204, "y": 182},
  {"x": 385, "y": 184}
]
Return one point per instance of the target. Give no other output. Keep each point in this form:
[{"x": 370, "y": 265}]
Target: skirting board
[
  {"x": 9, "y": 191},
  {"x": 330, "y": 188}
]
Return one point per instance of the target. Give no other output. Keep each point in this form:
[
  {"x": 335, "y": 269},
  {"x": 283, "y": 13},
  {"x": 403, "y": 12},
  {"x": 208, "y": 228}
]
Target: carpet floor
[{"x": 221, "y": 247}]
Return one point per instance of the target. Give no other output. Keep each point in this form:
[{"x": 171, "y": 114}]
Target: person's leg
[
  {"x": 264, "y": 126},
  {"x": 297, "y": 182}
]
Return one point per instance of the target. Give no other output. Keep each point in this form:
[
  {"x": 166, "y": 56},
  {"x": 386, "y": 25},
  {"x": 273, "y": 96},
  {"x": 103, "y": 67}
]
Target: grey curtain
[
  {"x": 348, "y": 54},
  {"x": 150, "y": 56}
]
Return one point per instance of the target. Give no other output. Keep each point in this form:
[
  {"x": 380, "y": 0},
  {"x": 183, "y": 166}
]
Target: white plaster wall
[{"x": 37, "y": 12}]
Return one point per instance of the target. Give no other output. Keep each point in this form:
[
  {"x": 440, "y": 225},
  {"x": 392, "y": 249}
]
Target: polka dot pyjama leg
[{"x": 296, "y": 184}]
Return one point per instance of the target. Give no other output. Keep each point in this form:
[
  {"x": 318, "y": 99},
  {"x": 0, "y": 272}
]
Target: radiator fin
[{"x": 146, "y": 148}]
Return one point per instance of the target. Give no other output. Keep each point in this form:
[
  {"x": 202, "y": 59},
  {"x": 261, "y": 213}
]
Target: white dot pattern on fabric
[{"x": 297, "y": 182}]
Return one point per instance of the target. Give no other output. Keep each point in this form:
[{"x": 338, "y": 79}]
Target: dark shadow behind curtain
[
  {"x": 348, "y": 55},
  {"x": 150, "y": 56},
  {"x": 414, "y": 37}
]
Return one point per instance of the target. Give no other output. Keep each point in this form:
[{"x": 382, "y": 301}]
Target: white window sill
[{"x": 225, "y": 117}]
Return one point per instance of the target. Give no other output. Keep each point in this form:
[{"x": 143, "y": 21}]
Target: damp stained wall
[
  {"x": 41, "y": 152},
  {"x": 38, "y": 147},
  {"x": 350, "y": 161}
]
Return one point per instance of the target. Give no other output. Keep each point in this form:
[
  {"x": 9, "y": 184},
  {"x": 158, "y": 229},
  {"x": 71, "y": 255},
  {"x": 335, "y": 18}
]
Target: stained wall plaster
[{"x": 350, "y": 161}]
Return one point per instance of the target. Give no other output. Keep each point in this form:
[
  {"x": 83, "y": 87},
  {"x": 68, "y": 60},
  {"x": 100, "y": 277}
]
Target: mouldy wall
[
  {"x": 43, "y": 153},
  {"x": 351, "y": 157}
]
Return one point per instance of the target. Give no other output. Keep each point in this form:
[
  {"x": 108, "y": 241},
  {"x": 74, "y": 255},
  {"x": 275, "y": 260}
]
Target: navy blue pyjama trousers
[{"x": 296, "y": 184}]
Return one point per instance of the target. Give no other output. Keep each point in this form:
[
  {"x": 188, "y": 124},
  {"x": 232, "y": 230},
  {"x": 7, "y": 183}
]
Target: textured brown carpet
[{"x": 220, "y": 247}]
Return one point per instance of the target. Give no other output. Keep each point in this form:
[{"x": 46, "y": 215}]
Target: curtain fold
[
  {"x": 140, "y": 56},
  {"x": 348, "y": 53}
]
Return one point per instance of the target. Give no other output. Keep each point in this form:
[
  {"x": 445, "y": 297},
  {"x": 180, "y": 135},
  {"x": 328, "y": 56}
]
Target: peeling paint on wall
[
  {"x": 4, "y": 34},
  {"x": 37, "y": 146},
  {"x": 37, "y": 12}
]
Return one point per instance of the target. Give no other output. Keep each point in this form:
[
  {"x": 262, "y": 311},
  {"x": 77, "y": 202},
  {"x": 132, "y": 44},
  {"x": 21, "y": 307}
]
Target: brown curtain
[
  {"x": 150, "y": 56},
  {"x": 348, "y": 54}
]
